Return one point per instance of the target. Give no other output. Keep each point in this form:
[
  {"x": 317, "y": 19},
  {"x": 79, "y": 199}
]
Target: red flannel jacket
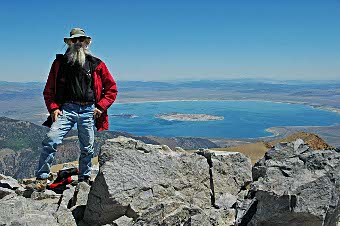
[{"x": 104, "y": 87}]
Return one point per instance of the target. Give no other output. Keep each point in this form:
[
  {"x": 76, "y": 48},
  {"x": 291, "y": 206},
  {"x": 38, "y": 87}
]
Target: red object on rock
[{"x": 66, "y": 181}]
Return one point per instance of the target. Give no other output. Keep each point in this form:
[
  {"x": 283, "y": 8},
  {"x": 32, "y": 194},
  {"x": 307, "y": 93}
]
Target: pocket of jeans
[
  {"x": 65, "y": 107},
  {"x": 66, "y": 104}
]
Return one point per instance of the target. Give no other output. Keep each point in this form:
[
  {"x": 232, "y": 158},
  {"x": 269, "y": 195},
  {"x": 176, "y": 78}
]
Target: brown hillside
[
  {"x": 313, "y": 140},
  {"x": 255, "y": 151}
]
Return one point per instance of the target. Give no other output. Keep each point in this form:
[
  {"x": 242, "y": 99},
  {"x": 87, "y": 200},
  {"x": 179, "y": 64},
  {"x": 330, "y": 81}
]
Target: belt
[{"x": 81, "y": 102}]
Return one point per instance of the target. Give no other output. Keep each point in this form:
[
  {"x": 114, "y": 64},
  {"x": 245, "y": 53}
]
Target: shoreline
[{"x": 273, "y": 131}]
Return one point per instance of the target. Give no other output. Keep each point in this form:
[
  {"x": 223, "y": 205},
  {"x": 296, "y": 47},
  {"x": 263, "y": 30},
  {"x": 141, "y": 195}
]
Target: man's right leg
[{"x": 53, "y": 138}]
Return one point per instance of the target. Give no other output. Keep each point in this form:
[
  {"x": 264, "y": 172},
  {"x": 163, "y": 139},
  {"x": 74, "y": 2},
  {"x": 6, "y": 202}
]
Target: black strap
[
  {"x": 94, "y": 62},
  {"x": 59, "y": 56}
]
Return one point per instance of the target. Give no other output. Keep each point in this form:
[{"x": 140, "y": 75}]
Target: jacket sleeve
[
  {"x": 49, "y": 91},
  {"x": 109, "y": 91}
]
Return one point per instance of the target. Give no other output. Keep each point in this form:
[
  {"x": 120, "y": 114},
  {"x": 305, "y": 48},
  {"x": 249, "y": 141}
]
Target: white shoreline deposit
[{"x": 188, "y": 117}]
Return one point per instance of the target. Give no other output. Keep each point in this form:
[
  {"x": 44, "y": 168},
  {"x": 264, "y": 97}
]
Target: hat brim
[{"x": 76, "y": 36}]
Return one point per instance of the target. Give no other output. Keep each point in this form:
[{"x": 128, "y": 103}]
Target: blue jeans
[{"x": 72, "y": 113}]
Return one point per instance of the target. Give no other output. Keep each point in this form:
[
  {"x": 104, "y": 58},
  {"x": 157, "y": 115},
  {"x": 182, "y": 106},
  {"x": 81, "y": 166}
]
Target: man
[{"x": 79, "y": 90}]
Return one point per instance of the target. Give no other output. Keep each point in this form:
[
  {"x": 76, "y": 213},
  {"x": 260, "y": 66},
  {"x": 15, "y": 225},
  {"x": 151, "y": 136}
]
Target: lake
[{"x": 242, "y": 119}]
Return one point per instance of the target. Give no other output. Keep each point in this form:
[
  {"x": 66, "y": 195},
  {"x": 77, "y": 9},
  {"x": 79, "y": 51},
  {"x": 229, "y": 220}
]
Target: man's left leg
[{"x": 86, "y": 139}]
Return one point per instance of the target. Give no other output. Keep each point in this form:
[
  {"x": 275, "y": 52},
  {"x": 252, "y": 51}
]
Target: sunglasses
[{"x": 80, "y": 39}]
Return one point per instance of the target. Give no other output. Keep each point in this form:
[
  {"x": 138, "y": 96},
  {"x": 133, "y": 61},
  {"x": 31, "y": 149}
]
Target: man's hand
[
  {"x": 54, "y": 114},
  {"x": 97, "y": 113}
]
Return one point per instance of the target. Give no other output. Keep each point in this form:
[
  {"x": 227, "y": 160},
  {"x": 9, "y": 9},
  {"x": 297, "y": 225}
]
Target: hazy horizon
[{"x": 208, "y": 79}]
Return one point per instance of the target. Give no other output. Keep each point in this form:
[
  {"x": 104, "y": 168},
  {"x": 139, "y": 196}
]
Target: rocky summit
[
  {"x": 142, "y": 184},
  {"x": 294, "y": 185}
]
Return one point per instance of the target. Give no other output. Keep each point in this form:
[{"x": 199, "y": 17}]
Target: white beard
[{"x": 77, "y": 54}]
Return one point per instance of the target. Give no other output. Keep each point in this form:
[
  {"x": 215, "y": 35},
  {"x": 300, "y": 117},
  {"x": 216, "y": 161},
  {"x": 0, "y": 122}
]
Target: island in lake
[
  {"x": 188, "y": 117},
  {"x": 124, "y": 115}
]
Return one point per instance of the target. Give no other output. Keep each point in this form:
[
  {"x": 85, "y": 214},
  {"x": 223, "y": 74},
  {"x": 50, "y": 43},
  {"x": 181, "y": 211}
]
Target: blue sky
[{"x": 177, "y": 40}]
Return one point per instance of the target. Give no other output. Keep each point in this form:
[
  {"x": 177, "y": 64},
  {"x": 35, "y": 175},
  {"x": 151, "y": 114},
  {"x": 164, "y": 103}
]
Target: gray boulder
[
  {"x": 64, "y": 218},
  {"x": 231, "y": 172},
  {"x": 39, "y": 208},
  {"x": 294, "y": 185},
  {"x": 65, "y": 201},
  {"x": 21, "y": 211},
  {"x": 123, "y": 221},
  {"x": 212, "y": 217},
  {"x": 136, "y": 179},
  {"x": 74, "y": 200},
  {"x": 8, "y": 182},
  {"x": 47, "y": 194},
  {"x": 154, "y": 185},
  {"x": 5, "y": 191},
  {"x": 78, "y": 202},
  {"x": 75, "y": 196}
]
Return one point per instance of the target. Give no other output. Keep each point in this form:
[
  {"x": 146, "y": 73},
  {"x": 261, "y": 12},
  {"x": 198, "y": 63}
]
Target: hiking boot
[
  {"x": 37, "y": 185},
  {"x": 86, "y": 180}
]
